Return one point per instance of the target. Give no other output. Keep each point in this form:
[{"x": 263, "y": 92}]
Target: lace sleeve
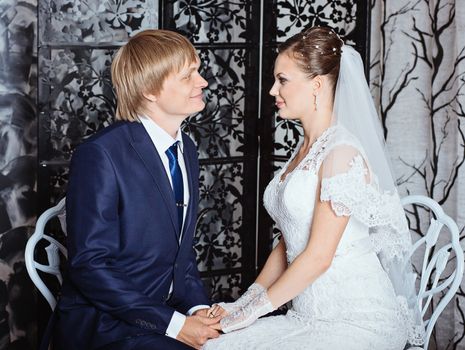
[
  {"x": 353, "y": 191},
  {"x": 343, "y": 190},
  {"x": 345, "y": 178}
]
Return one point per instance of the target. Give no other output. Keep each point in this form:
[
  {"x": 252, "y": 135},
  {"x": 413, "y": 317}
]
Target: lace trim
[
  {"x": 247, "y": 314},
  {"x": 416, "y": 333},
  {"x": 252, "y": 292},
  {"x": 313, "y": 158},
  {"x": 392, "y": 243},
  {"x": 350, "y": 195},
  {"x": 317, "y": 152},
  {"x": 304, "y": 319}
]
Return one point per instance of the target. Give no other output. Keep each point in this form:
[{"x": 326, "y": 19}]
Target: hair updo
[{"x": 317, "y": 51}]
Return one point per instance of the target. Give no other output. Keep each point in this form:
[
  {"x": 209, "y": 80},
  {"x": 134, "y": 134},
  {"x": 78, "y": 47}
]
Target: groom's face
[{"x": 181, "y": 94}]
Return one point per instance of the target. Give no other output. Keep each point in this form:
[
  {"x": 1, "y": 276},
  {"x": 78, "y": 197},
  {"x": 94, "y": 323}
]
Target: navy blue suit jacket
[{"x": 123, "y": 241}]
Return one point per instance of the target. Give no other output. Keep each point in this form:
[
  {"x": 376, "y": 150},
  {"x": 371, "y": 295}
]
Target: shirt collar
[{"x": 159, "y": 136}]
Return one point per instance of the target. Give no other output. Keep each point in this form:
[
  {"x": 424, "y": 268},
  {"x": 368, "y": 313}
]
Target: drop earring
[{"x": 315, "y": 102}]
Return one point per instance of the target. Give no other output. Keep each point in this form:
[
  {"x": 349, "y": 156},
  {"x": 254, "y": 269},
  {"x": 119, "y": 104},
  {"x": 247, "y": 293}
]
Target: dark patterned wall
[
  {"x": 226, "y": 35},
  {"x": 18, "y": 156},
  {"x": 76, "y": 43}
]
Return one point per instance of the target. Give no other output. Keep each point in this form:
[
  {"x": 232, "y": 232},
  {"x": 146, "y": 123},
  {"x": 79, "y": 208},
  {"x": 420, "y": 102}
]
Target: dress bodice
[{"x": 291, "y": 201}]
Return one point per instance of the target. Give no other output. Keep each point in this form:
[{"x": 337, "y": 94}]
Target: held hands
[
  {"x": 253, "y": 304},
  {"x": 224, "y": 309},
  {"x": 248, "y": 314},
  {"x": 216, "y": 310},
  {"x": 198, "y": 329},
  {"x": 252, "y": 292},
  {"x": 203, "y": 312}
]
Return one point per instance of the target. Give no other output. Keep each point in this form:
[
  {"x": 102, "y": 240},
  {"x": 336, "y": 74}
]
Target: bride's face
[{"x": 292, "y": 89}]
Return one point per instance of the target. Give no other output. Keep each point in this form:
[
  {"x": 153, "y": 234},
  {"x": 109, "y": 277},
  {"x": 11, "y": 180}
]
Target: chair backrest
[
  {"x": 53, "y": 250},
  {"x": 434, "y": 263}
]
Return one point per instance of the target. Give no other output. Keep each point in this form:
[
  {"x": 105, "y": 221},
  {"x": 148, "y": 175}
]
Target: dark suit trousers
[{"x": 147, "y": 342}]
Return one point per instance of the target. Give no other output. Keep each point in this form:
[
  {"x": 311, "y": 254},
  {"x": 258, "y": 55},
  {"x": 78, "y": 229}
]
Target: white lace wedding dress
[{"x": 353, "y": 304}]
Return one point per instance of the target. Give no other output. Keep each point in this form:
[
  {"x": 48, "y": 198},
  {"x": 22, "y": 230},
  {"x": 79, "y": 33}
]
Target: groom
[{"x": 131, "y": 211}]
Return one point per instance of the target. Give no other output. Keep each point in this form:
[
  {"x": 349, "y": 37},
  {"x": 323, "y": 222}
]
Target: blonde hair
[{"x": 142, "y": 65}]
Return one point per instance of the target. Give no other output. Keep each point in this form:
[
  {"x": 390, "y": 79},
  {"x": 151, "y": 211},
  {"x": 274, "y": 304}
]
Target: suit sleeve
[
  {"x": 195, "y": 289},
  {"x": 93, "y": 243}
]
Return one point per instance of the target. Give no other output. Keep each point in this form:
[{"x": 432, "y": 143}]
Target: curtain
[{"x": 417, "y": 77}]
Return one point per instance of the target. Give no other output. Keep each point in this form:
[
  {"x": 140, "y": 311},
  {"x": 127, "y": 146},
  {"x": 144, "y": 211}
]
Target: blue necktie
[{"x": 176, "y": 178}]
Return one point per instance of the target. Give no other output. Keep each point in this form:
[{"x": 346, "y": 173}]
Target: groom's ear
[{"x": 150, "y": 97}]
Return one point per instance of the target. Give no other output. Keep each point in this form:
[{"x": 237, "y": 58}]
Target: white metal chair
[
  {"x": 434, "y": 265},
  {"x": 53, "y": 250}
]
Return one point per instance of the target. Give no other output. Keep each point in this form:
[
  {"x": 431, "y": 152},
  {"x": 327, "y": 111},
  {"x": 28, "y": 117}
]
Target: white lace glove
[
  {"x": 248, "y": 314},
  {"x": 252, "y": 292}
]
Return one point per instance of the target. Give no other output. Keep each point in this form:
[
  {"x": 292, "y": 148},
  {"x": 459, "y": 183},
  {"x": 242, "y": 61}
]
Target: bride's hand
[
  {"x": 248, "y": 314},
  {"x": 217, "y": 326},
  {"x": 252, "y": 292},
  {"x": 215, "y": 311}
]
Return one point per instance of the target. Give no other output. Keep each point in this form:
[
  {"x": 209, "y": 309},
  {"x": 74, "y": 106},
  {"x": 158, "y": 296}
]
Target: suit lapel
[
  {"x": 187, "y": 161},
  {"x": 144, "y": 147}
]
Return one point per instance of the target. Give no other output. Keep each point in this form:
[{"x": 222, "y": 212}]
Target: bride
[{"x": 342, "y": 260}]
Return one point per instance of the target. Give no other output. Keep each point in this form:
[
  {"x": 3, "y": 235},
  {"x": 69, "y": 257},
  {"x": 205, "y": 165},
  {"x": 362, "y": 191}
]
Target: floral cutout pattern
[
  {"x": 69, "y": 21},
  {"x": 216, "y": 21}
]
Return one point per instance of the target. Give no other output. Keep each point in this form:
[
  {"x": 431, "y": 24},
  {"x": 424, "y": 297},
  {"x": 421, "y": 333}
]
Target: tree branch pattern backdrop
[{"x": 417, "y": 78}]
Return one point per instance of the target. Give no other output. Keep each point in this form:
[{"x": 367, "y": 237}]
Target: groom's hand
[
  {"x": 202, "y": 312},
  {"x": 196, "y": 330}
]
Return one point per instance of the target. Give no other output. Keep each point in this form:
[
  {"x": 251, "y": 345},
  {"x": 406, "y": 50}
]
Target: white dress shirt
[{"x": 162, "y": 141}]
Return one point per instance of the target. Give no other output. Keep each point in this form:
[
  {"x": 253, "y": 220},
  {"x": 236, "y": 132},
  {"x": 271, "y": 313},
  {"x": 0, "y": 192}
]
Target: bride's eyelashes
[{"x": 279, "y": 77}]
